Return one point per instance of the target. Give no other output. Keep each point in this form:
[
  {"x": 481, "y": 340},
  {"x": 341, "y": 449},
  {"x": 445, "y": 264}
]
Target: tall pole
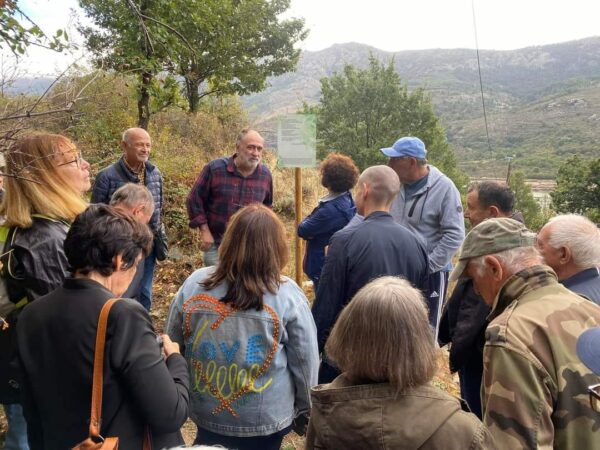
[
  {"x": 298, "y": 176},
  {"x": 510, "y": 158}
]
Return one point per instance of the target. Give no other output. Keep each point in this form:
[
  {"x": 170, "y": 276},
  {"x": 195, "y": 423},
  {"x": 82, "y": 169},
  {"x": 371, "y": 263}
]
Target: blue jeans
[
  {"x": 16, "y": 437},
  {"x": 211, "y": 256},
  {"x": 146, "y": 289}
]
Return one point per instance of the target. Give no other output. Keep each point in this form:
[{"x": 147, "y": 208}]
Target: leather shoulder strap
[{"x": 96, "y": 414}]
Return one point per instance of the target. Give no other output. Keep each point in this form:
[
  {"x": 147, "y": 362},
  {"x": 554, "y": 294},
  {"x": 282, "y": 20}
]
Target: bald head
[
  {"x": 131, "y": 134},
  {"x": 380, "y": 184},
  {"x": 136, "y": 145}
]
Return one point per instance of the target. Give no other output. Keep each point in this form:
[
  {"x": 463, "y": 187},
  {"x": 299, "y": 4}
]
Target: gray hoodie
[{"x": 434, "y": 213}]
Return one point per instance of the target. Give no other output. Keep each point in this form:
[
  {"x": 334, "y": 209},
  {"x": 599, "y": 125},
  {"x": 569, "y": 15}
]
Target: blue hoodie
[{"x": 434, "y": 213}]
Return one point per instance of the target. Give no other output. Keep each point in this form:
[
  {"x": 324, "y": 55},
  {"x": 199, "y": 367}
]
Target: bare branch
[{"x": 170, "y": 28}]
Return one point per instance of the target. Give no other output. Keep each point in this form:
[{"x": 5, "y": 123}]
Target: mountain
[
  {"x": 34, "y": 86},
  {"x": 542, "y": 103}
]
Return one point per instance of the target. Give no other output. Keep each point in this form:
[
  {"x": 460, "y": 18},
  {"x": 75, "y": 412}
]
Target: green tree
[
  {"x": 525, "y": 202},
  {"x": 18, "y": 31},
  {"x": 132, "y": 37},
  {"x": 361, "y": 111},
  {"x": 578, "y": 188},
  {"x": 236, "y": 45}
]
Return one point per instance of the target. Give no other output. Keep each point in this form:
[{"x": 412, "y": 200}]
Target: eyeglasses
[
  {"x": 77, "y": 160},
  {"x": 594, "y": 392}
]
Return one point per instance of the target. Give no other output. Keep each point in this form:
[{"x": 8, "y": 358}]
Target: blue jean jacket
[{"x": 250, "y": 371}]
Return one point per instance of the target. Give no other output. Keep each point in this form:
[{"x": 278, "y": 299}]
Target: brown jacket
[{"x": 346, "y": 416}]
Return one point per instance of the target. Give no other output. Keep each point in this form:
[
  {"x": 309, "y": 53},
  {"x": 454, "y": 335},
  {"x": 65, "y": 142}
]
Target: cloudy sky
[{"x": 391, "y": 25}]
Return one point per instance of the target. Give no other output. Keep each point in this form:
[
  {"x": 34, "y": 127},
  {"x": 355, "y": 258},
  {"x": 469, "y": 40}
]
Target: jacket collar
[
  {"x": 521, "y": 283},
  {"x": 580, "y": 277},
  {"x": 376, "y": 215},
  {"x": 148, "y": 166},
  {"x": 434, "y": 176},
  {"x": 84, "y": 283}
]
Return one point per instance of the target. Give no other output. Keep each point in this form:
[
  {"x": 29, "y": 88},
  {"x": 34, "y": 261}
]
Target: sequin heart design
[{"x": 225, "y": 310}]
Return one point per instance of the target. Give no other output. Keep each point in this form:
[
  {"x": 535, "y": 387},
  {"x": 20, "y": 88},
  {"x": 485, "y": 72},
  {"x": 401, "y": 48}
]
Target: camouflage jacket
[{"x": 534, "y": 391}]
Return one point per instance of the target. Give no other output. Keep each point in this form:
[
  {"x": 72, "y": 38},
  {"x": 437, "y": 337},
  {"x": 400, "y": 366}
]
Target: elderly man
[
  {"x": 570, "y": 244},
  {"x": 464, "y": 321},
  {"x": 137, "y": 201},
  {"x": 372, "y": 248},
  {"x": 428, "y": 204},
  {"x": 134, "y": 167},
  {"x": 534, "y": 386},
  {"x": 226, "y": 185}
]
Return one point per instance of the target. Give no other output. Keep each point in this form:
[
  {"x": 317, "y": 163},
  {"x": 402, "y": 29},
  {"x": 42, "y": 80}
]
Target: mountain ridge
[{"x": 531, "y": 94}]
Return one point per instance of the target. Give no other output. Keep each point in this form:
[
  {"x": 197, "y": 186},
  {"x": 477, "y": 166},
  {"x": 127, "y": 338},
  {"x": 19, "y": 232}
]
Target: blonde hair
[
  {"x": 34, "y": 185},
  {"x": 383, "y": 335}
]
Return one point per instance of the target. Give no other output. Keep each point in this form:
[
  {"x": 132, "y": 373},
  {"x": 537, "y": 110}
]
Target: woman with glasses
[
  {"x": 45, "y": 182},
  {"x": 384, "y": 399},
  {"x": 248, "y": 336}
]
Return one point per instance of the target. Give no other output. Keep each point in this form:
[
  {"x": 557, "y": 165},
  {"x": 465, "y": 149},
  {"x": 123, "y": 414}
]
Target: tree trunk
[
  {"x": 192, "y": 84},
  {"x": 144, "y": 101}
]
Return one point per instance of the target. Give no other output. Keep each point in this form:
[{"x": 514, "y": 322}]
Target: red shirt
[{"x": 221, "y": 190}]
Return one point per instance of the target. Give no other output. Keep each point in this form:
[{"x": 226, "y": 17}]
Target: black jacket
[
  {"x": 463, "y": 324},
  {"x": 376, "y": 247},
  {"x": 35, "y": 265},
  {"x": 56, "y": 337},
  {"x": 38, "y": 263}
]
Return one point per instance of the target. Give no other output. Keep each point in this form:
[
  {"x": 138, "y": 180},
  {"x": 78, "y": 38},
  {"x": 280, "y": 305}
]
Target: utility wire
[{"x": 480, "y": 79}]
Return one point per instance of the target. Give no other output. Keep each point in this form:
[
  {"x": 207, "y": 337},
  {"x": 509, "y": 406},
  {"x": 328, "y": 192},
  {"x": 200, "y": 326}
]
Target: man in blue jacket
[
  {"x": 373, "y": 248},
  {"x": 134, "y": 167},
  {"x": 429, "y": 205}
]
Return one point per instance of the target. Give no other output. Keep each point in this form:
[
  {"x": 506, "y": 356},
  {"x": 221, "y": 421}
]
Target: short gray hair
[
  {"x": 131, "y": 195},
  {"x": 243, "y": 134},
  {"x": 514, "y": 259},
  {"x": 579, "y": 234},
  {"x": 383, "y": 335}
]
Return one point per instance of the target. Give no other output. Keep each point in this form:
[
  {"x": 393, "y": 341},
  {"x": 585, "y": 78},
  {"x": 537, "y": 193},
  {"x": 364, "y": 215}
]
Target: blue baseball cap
[
  {"x": 406, "y": 146},
  {"x": 588, "y": 349}
]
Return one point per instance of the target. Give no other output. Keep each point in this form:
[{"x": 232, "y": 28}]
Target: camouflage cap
[{"x": 489, "y": 237}]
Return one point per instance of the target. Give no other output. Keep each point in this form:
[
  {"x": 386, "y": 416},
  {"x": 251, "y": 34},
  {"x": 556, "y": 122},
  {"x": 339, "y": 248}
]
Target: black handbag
[{"x": 161, "y": 243}]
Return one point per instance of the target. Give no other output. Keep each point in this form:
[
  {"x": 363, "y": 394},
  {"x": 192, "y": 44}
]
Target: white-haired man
[
  {"x": 570, "y": 244},
  {"x": 534, "y": 392}
]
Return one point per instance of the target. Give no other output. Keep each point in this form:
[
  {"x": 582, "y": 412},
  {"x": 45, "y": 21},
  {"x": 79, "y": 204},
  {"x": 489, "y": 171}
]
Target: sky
[{"x": 391, "y": 25}]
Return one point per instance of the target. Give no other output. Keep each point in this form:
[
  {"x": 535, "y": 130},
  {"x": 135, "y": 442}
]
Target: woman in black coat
[{"x": 143, "y": 386}]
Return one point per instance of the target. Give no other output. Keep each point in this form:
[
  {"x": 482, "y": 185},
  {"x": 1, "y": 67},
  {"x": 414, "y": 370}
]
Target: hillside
[{"x": 543, "y": 103}]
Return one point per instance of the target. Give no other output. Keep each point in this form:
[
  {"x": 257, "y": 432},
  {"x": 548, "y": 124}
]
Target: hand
[
  {"x": 169, "y": 347},
  {"x": 206, "y": 239}
]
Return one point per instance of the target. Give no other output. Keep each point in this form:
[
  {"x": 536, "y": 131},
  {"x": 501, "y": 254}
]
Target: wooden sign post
[{"x": 296, "y": 147}]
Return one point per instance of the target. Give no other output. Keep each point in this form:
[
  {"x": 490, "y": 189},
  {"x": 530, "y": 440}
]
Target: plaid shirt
[{"x": 221, "y": 190}]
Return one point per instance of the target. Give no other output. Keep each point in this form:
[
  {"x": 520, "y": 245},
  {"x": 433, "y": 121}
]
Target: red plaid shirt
[{"x": 221, "y": 190}]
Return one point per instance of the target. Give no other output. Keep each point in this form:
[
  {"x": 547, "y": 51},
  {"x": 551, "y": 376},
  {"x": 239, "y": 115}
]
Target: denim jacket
[{"x": 250, "y": 371}]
